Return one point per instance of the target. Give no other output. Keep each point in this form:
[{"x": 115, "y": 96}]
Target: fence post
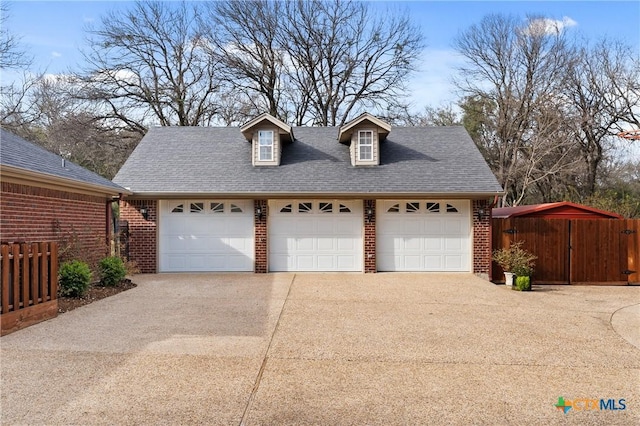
[
  {"x": 54, "y": 270},
  {"x": 15, "y": 249},
  {"x": 5, "y": 278},
  {"x": 35, "y": 274},
  {"x": 44, "y": 290},
  {"x": 25, "y": 274}
]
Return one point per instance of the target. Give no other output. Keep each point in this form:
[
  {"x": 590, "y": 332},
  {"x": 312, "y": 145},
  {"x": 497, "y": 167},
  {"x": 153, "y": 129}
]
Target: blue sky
[{"x": 53, "y": 32}]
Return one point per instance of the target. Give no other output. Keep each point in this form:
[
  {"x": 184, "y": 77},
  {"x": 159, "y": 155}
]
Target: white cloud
[
  {"x": 55, "y": 54},
  {"x": 87, "y": 19},
  {"x": 550, "y": 26}
]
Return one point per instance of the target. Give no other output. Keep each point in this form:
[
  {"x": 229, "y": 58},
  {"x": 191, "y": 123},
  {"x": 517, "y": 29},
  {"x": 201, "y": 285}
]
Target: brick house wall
[
  {"x": 370, "y": 237},
  {"x": 142, "y": 238},
  {"x": 78, "y": 222},
  {"x": 260, "y": 232},
  {"x": 481, "y": 239}
]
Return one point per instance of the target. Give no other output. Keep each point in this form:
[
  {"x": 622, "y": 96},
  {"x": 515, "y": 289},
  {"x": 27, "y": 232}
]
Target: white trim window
[
  {"x": 365, "y": 145},
  {"x": 265, "y": 145}
]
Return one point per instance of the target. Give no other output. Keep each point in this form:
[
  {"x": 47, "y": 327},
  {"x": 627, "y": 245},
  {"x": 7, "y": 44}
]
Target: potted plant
[
  {"x": 523, "y": 276},
  {"x": 514, "y": 259}
]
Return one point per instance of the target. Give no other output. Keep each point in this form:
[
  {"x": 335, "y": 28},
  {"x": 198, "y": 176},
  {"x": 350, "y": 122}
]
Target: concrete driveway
[{"x": 341, "y": 349}]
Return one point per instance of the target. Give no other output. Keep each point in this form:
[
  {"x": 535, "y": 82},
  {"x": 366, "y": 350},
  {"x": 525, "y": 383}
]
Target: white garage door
[
  {"x": 315, "y": 235},
  {"x": 428, "y": 235},
  {"x": 206, "y": 235}
]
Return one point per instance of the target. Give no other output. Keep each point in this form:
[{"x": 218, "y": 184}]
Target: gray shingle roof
[
  {"x": 217, "y": 160},
  {"x": 18, "y": 152}
]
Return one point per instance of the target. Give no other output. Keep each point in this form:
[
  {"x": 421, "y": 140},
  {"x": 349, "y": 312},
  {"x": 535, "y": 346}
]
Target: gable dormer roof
[
  {"x": 347, "y": 129},
  {"x": 286, "y": 132}
]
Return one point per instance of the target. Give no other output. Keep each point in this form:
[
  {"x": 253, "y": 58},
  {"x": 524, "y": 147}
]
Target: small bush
[
  {"x": 74, "y": 278},
  {"x": 523, "y": 283},
  {"x": 112, "y": 271}
]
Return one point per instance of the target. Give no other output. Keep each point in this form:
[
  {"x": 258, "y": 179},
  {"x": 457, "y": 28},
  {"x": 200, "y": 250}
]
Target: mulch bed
[{"x": 96, "y": 292}]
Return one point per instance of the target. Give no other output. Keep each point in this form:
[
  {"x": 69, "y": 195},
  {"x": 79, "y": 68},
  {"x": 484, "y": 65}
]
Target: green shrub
[
  {"x": 74, "y": 278},
  {"x": 112, "y": 271},
  {"x": 523, "y": 283}
]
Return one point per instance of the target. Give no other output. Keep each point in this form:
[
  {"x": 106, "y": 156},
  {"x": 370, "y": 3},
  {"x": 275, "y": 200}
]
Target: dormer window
[
  {"x": 265, "y": 145},
  {"x": 365, "y": 145},
  {"x": 363, "y": 135},
  {"x": 267, "y": 135}
]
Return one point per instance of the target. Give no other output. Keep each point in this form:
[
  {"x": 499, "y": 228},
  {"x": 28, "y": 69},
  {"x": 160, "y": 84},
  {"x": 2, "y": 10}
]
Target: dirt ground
[{"x": 96, "y": 292}]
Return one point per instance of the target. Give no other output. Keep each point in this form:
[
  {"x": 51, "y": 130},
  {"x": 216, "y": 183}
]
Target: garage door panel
[
  {"x": 412, "y": 226},
  {"x": 453, "y": 226},
  {"x": 432, "y": 226},
  {"x": 453, "y": 262},
  {"x": 346, "y": 244},
  {"x": 412, "y": 262},
  {"x": 304, "y": 244},
  {"x": 326, "y": 244},
  {"x": 349, "y": 226},
  {"x": 347, "y": 263},
  {"x": 419, "y": 236},
  {"x": 325, "y": 226},
  {"x": 326, "y": 262},
  {"x": 412, "y": 244},
  {"x": 453, "y": 244},
  {"x": 304, "y": 262}
]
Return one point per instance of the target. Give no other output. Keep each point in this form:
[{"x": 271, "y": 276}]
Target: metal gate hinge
[
  {"x": 628, "y": 272},
  {"x": 510, "y": 231},
  {"x": 629, "y": 231}
]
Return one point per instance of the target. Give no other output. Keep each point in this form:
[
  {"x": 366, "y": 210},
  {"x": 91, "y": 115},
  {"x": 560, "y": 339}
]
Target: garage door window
[
  {"x": 178, "y": 209},
  {"x": 217, "y": 208},
  {"x": 344, "y": 209},
  {"x": 235, "y": 209},
  {"x": 304, "y": 207},
  {"x": 196, "y": 208},
  {"x": 433, "y": 207},
  {"x": 326, "y": 207},
  {"x": 451, "y": 209}
]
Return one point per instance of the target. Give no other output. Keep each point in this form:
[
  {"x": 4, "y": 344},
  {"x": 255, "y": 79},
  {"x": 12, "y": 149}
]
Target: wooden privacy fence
[
  {"x": 29, "y": 284},
  {"x": 574, "y": 251}
]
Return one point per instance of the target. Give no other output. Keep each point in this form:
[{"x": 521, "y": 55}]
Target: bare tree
[
  {"x": 242, "y": 36},
  {"x": 603, "y": 91},
  {"x": 12, "y": 55},
  {"x": 148, "y": 65},
  {"x": 315, "y": 61},
  {"x": 346, "y": 59},
  {"x": 47, "y": 111},
  {"x": 513, "y": 70}
]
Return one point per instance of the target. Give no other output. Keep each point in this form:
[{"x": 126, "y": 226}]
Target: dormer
[
  {"x": 363, "y": 134},
  {"x": 266, "y": 134}
]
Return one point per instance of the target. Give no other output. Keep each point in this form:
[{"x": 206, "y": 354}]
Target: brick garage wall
[
  {"x": 142, "y": 240},
  {"x": 261, "y": 243},
  {"x": 370, "y": 238},
  {"x": 481, "y": 240},
  {"x": 77, "y": 221}
]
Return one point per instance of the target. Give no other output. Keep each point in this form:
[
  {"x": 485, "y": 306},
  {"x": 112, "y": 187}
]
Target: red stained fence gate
[
  {"x": 29, "y": 284},
  {"x": 575, "y": 251}
]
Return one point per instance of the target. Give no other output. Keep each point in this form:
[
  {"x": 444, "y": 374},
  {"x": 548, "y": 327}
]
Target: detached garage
[{"x": 268, "y": 197}]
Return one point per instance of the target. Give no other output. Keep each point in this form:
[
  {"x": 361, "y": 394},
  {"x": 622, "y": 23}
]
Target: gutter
[
  {"x": 46, "y": 179},
  {"x": 326, "y": 195}
]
